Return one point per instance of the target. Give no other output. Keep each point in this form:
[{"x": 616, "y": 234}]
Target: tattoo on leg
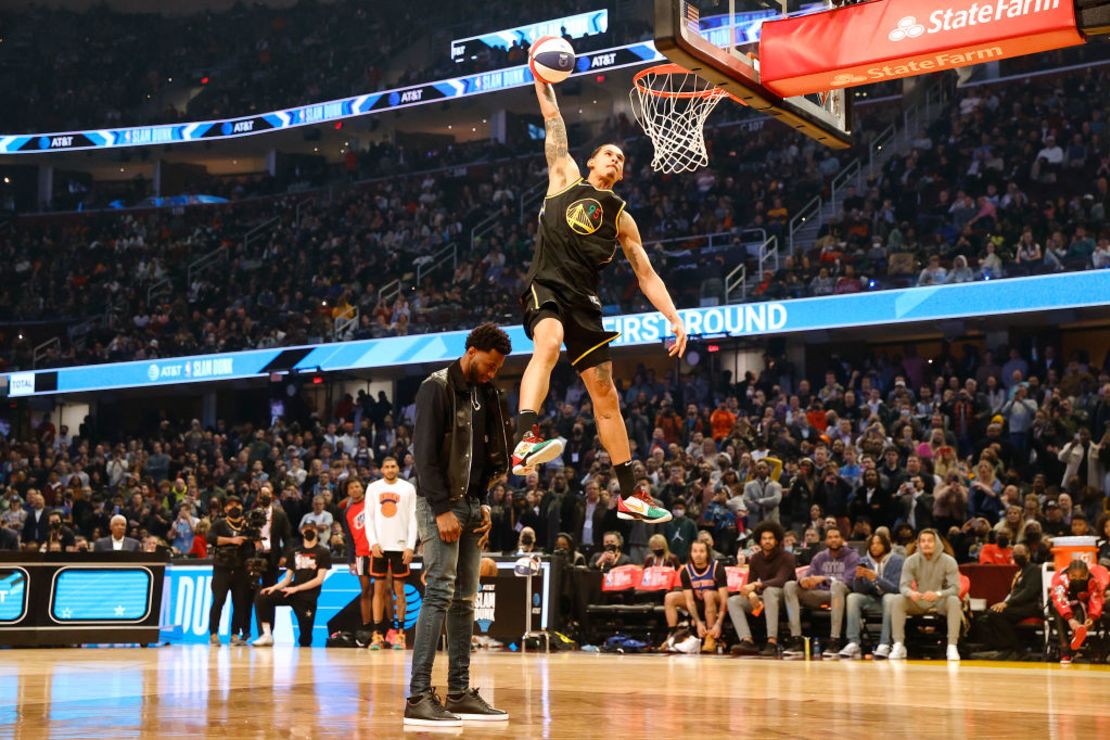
[{"x": 604, "y": 373}]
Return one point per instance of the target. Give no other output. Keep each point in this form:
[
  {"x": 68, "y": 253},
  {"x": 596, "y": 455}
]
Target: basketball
[{"x": 551, "y": 59}]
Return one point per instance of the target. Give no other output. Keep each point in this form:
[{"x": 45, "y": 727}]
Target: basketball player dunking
[{"x": 581, "y": 222}]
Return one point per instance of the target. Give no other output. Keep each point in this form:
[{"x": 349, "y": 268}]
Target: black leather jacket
[{"x": 442, "y": 441}]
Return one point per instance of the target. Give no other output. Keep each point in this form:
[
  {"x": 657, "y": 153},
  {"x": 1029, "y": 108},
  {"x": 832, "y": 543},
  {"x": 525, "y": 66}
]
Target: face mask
[
  {"x": 526, "y": 539},
  {"x": 1021, "y": 561},
  {"x": 610, "y": 548},
  {"x": 235, "y": 512},
  {"x": 658, "y": 553},
  {"x": 679, "y": 513},
  {"x": 309, "y": 537},
  {"x": 265, "y": 501}
]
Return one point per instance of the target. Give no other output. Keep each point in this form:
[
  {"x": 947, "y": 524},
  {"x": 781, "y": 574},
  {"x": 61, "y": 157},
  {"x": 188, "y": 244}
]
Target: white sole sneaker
[
  {"x": 483, "y": 717},
  {"x": 898, "y": 652},
  {"x": 851, "y": 651},
  {"x": 551, "y": 449},
  {"x": 263, "y": 642},
  {"x": 433, "y": 722}
]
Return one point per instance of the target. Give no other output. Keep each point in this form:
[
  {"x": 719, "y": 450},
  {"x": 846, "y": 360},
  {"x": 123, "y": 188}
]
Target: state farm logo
[
  {"x": 846, "y": 78},
  {"x": 977, "y": 14},
  {"x": 907, "y": 28}
]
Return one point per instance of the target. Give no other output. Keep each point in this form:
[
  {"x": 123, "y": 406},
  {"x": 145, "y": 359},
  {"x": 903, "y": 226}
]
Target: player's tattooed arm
[
  {"x": 555, "y": 143},
  {"x": 651, "y": 285},
  {"x": 561, "y": 167}
]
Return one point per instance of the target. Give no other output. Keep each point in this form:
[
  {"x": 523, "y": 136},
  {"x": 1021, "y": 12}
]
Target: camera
[{"x": 255, "y": 521}]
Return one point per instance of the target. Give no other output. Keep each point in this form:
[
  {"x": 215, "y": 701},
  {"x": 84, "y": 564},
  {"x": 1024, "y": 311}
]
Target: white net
[{"x": 671, "y": 104}]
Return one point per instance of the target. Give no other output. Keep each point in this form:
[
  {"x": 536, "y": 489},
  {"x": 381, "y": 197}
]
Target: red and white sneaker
[
  {"x": 533, "y": 450},
  {"x": 641, "y": 507},
  {"x": 1078, "y": 637}
]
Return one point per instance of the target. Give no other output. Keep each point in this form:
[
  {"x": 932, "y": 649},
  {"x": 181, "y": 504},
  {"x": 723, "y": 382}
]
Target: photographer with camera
[
  {"x": 59, "y": 538},
  {"x": 232, "y": 549},
  {"x": 274, "y": 534},
  {"x": 299, "y": 588}
]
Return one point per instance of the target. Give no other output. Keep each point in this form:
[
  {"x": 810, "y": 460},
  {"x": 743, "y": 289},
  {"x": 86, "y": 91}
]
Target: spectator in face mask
[
  {"x": 998, "y": 552},
  {"x": 610, "y": 555},
  {"x": 299, "y": 588},
  {"x": 660, "y": 555},
  {"x": 680, "y": 531},
  {"x": 1024, "y": 600}
]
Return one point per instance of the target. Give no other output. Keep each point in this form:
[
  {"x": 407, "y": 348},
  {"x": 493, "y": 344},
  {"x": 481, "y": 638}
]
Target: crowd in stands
[
  {"x": 988, "y": 446},
  {"x": 101, "y": 67},
  {"x": 347, "y": 246}
]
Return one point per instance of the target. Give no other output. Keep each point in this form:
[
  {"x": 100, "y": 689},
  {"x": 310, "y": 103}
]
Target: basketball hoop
[{"x": 671, "y": 104}]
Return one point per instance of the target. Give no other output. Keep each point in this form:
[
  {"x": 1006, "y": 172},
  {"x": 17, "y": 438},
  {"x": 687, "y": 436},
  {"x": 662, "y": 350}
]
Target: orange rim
[{"x": 660, "y": 70}]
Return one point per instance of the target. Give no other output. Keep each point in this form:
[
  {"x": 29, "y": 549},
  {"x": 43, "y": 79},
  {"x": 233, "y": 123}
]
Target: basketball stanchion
[{"x": 527, "y": 567}]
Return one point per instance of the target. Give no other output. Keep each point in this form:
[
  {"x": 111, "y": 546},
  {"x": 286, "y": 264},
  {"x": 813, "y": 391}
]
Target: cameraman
[
  {"x": 229, "y": 572},
  {"x": 59, "y": 538},
  {"x": 277, "y": 535},
  {"x": 308, "y": 570}
]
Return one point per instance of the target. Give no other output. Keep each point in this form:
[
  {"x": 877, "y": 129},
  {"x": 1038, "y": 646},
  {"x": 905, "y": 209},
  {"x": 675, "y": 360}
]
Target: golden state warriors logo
[
  {"x": 388, "y": 502},
  {"x": 584, "y": 216}
]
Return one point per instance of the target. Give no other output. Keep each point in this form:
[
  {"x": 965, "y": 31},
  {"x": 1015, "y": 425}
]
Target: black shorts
[
  {"x": 584, "y": 335},
  {"x": 391, "y": 563}
]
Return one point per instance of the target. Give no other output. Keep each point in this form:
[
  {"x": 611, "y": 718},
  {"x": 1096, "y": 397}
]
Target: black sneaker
[
  {"x": 833, "y": 648},
  {"x": 770, "y": 650},
  {"x": 795, "y": 648},
  {"x": 471, "y": 706},
  {"x": 425, "y": 710},
  {"x": 744, "y": 648}
]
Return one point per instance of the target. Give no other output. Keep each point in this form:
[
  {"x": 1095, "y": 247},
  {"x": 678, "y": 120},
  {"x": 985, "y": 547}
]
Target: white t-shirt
[{"x": 392, "y": 519}]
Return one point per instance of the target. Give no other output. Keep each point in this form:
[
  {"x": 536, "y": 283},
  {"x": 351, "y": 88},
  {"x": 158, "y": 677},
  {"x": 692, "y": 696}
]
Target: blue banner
[
  {"x": 187, "y": 599},
  {"x": 995, "y": 297},
  {"x": 575, "y": 26},
  {"x": 315, "y": 113}
]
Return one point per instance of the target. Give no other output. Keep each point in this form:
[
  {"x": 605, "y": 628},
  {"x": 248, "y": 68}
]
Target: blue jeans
[
  {"x": 451, "y": 572},
  {"x": 858, "y": 603}
]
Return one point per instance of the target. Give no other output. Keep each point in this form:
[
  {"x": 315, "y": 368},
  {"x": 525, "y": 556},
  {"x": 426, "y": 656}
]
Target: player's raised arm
[
  {"x": 562, "y": 170},
  {"x": 650, "y": 283}
]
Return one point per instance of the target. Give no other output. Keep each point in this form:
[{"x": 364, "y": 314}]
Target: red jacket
[{"x": 1094, "y": 596}]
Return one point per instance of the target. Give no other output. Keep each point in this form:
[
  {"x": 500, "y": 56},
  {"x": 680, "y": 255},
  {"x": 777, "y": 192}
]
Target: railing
[
  {"x": 736, "y": 280},
  {"x": 258, "y": 231},
  {"x": 203, "y": 263},
  {"x": 43, "y": 349},
  {"x": 769, "y": 252},
  {"x": 884, "y": 139},
  {"x": 160, "y": 288},
  {"x": 531, "y": 195},
  {"x": 300, "y": 205},
  {"x": 848, "y": 175},
  {"x": 78, "y": 333},
  {"x": 450, "y": 252},
  {"x": 345, "y": 323},
  {"x": 809, "y": 211},
  {"x": 389, "y": 291}
]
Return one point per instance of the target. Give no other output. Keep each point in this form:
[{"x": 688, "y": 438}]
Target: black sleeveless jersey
[{"x": 576, "y": 239}]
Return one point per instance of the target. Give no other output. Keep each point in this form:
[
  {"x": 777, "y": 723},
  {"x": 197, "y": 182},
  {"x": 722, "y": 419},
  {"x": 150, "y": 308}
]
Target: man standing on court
[
  {"x": 581, "y": 223},
  {"x": 391, "y": 532},
  {"x": 462, "y": 439}
]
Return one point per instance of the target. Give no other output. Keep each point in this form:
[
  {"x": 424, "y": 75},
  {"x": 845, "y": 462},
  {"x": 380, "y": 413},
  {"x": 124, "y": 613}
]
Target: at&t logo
[{"x": 907, "y": 28}]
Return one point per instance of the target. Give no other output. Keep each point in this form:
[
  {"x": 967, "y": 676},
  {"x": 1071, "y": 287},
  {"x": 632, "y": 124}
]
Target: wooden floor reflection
[{"x": 285, "y": 692}]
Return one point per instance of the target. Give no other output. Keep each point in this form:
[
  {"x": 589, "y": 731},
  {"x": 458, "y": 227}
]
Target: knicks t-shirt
[{"x": 391, "y": 522}]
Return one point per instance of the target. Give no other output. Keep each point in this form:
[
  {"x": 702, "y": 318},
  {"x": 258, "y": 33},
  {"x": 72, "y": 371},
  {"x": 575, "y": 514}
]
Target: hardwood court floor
[{"x": 290, "y": 693}]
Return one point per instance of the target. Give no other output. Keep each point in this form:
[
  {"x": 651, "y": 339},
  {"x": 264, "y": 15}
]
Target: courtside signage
[
  {"x": 869, "y": 42},
  {"x": 887, "y": 307}
]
